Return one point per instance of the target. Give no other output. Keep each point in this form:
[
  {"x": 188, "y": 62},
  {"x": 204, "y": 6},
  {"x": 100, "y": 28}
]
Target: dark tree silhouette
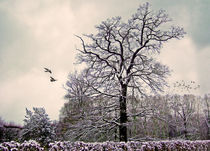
[{"x": 120, "y": 56}]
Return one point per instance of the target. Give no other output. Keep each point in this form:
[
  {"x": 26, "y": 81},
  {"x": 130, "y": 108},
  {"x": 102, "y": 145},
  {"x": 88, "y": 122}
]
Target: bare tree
[
  {"x": 87, "y": 114},
  {"x": 207, "y": 104},
  {"x": 184, "y": 109},
  {"x": 206, "y": 123},
  {"x": 77, "y": 88},
  {"x": 120, "y": 56}
]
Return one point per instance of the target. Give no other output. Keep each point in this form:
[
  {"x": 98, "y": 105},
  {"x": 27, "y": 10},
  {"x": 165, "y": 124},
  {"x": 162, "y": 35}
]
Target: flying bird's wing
[
  {"x": 52, "y": 79},
  {"x": 47, "y": 70}
]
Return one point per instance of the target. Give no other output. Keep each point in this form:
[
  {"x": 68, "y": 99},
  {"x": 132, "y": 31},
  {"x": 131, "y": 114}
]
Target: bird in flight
[
  {"x": 52, "y": 79},
  {"x": 48, "y": 70}
]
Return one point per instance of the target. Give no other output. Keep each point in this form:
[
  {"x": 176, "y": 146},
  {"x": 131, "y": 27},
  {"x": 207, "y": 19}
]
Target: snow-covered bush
[
  {"x": 7, "y": 146},
  {"x": 178, "y": 145},
  {"x": 25, "y": 146},
  {"x": 37, "y": 126},
  {"x": 31, "y": 145},
  {"x": 71, "y": 146}
]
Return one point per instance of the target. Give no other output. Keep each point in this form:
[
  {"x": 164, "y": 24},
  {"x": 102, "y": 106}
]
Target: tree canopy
[{"x": 120, "y": 56}]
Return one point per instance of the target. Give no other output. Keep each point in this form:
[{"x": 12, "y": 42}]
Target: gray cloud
[
  {"x": 16, "y": 47},
  {"x": 203, "y": 59},
  {"x": 8, "y": 31},
  {"x": 197, "y": 17}
]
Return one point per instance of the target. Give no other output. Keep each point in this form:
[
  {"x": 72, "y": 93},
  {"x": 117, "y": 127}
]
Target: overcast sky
[{"x": 40, "y": 33}]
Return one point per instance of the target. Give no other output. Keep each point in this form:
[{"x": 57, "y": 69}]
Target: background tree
[
  {"x": 149, "y": 118},
  {"x": 37, "y": 126},
  {"x": 87, "y": 114},
  {"x": 9, "y": 131},
  {"x": 184, "y": 109},
  {"x": 205, "y": 125},
  {"x": 168, "y": 116},
  {"x": 120, "y": 56}
]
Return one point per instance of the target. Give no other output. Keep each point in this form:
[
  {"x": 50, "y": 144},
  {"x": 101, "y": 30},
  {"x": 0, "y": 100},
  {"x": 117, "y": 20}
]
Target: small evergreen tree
[{"x": 37, "y": 126}]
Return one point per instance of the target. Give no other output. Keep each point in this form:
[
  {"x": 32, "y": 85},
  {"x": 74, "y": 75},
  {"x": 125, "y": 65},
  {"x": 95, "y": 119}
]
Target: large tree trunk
[
  {"x": 123, "y": 114},
  {"x": 185, "y": 130},
  {"x": 185, "y": 124}
]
